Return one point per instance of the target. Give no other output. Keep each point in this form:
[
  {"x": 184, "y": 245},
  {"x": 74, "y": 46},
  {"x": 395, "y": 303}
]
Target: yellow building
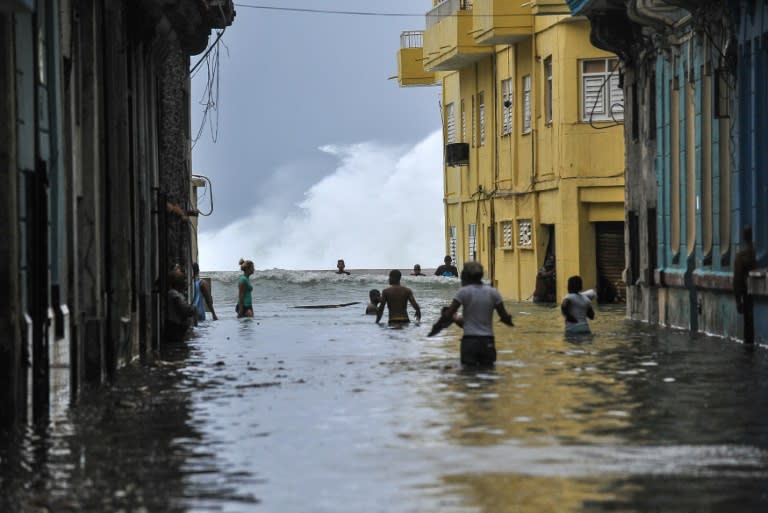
[{"x": 533, "y": 130}]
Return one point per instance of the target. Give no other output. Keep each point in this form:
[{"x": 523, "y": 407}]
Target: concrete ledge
[
  {"x": 757, "y": 283},
  {"x": 713, "y": 281},
  {"x": 669, "y": 279}
]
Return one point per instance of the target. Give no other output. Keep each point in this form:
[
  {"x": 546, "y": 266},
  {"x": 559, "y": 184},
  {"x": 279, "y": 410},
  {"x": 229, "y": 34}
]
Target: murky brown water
[{"x": 321, "y": 411}]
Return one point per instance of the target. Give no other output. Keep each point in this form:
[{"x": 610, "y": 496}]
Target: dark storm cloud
[{"x": 290, "y": 83}]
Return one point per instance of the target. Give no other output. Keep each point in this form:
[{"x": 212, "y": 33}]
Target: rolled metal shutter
[{"x": 610, "y": 253}]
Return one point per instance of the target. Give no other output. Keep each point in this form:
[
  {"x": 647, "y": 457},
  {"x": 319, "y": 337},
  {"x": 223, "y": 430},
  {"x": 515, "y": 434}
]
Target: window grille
[
  {"x": 506, "y": 234},
  {"x": 472, "y": 238},
  {"x": 525, "y": 234},
  {"x": 481, "y": 117},
  {"x": 452, "y": 243}
]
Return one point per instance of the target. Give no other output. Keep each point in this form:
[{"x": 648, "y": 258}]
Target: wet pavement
[{"x": 321, "y": 411}]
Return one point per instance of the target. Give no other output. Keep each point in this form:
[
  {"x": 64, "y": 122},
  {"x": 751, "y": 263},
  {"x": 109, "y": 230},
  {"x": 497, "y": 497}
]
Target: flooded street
[{"x": 318, "y": 410}]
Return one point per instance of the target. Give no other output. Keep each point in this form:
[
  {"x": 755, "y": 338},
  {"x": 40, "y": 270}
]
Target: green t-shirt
[{"x": 247, "y": 300}]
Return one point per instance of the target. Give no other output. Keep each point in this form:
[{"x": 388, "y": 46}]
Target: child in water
[
  {"x": 375, "y": 297},
  {"x": 577, "y": 307}
]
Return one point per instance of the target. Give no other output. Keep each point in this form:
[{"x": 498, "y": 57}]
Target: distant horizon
[{"x": 426, "y": 270}]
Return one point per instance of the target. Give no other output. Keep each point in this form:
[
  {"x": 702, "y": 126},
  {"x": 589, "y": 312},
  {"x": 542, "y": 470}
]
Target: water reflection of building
[
  {"x": 694, "y": 76},
  {"x": 533, "y": 122},
  {"x": 94, "y": 146}
]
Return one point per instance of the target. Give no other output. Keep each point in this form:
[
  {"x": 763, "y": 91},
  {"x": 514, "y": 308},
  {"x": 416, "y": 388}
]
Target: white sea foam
[{"x": 381, "y": 208}]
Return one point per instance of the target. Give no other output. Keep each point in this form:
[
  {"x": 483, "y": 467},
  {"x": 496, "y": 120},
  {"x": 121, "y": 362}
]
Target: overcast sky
[{"x": 290, "y": 83}]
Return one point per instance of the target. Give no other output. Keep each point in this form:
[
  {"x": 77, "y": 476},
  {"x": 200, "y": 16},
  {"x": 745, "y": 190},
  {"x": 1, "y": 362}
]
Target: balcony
[
  {"x": 501, "y": 21},
  {"x": 550, "y": 7},
  {"x": 449, "y": 44},
  {"x": 410, "y": 61}
]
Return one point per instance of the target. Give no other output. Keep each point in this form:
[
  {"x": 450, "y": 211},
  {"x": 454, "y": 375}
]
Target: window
[
  {"x": 463, "y": 122},
  {"x": 601, "y": 97},
  {"x": 526, "y": 104},
  {"x": 548, "y": 89},
  {"x": 674, "y": 168},
  {"x": 472, "y": 238},
  {"x": 506, "y": 234},
  {"x": 525, "y": 234},
  {"x": 506, "y": 106},
  {"x": 450, "y": 123},
  {"x": 472, "y": 123},
  {"x": 481, "y": 117},
  {"x": 452, "y": 243},
  {"x": 706, "y": 169},
  {"x": 724, "y": 172}
]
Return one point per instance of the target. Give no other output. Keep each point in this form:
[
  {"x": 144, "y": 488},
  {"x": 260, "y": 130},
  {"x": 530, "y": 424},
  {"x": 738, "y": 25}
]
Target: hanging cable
[{"x": 209, "y": 188}]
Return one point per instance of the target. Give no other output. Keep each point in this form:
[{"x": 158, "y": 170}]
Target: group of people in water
[{"x": 476, "y": 300}]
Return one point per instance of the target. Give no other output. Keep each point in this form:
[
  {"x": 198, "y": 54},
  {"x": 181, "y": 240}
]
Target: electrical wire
[
  {"x": 210, "y": 95},
  {"x": 209, "y": 190},
  {"x": 357, "y": 13},
  {"x": 601, "y": 93},
  {"x": 327, "y": 11}
]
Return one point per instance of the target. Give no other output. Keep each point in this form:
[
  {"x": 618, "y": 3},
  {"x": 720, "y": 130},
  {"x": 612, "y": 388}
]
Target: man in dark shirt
[
  {"x": 744, "y": 262},
  {"x": 447, "y": 269}
]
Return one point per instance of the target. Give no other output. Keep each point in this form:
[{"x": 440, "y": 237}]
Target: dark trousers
[{"x": 478, "y": 351}]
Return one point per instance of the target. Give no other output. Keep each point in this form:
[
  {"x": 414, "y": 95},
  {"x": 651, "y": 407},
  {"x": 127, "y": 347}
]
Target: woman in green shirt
[{"x": 244, "y": 300}]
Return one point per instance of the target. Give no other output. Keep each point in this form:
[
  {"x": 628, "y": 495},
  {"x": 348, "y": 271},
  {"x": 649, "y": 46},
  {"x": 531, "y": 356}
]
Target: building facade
[
  {"x": 697, "y": 173},
  {"x": 533, "y": 126},
  {"x": 94, "y": 149}
]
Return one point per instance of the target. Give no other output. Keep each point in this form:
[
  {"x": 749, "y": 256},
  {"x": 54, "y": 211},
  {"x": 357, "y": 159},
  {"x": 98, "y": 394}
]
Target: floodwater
[{"x": 319, "y": 410}]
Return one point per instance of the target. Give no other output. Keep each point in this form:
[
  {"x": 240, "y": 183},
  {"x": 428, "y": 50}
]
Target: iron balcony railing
[
  {"x": 412, "y": 39},
  {"x": 447, "y": 8}
]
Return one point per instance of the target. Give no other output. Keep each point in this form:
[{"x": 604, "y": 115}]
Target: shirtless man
[
  {"x": 340, "y": 265},
  {"x": 397, "y": 297}
]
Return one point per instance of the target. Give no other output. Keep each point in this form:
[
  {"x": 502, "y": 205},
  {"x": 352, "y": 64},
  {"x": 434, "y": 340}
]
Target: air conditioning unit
[{"x": 457, "y": 154}]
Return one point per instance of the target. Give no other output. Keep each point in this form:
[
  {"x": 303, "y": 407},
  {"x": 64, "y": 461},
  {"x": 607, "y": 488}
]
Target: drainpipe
[{"x": 492, "y": 237}]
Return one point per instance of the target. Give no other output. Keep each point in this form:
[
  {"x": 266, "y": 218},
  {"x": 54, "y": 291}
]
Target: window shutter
[
  {"x": 450, "y": 123},
  {"x": 506, "y": 87},
  {"x": 594, "y": 97},
  {"x": 472, "y": 246},
  {"x": 616, "y": 97},
  {"x": 527, "y": 104}
]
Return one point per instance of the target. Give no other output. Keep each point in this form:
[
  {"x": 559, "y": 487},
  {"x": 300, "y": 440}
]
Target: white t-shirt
[
  {"x": 579, "y": 304},
  {"x": 478, "y": 303}
]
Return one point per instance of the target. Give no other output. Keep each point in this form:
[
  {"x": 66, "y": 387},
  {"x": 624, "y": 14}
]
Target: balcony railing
[
  {"x": 445, "y": 9},
  {"x": 412, "y": 39}
]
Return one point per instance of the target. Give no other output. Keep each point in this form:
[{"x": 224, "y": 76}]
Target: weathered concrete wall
[
  {"x": 174, "y": 148},
  {"x": 11, "y": 385}
]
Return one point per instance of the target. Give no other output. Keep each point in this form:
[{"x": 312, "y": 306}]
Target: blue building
[{"x": 696, "y": 119}]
